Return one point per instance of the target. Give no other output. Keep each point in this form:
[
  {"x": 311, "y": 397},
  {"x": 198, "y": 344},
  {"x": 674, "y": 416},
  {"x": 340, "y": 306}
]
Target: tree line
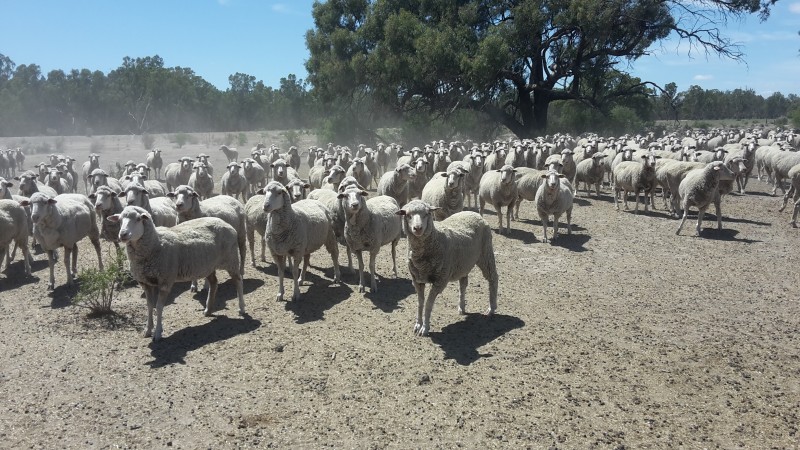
[{"x": 144, "y": 96}]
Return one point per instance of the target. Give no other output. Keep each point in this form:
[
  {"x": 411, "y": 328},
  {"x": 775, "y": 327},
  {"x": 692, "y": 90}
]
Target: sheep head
[
  {"x": 417, "y": 218},
  {"x": 133, "y": 221}
]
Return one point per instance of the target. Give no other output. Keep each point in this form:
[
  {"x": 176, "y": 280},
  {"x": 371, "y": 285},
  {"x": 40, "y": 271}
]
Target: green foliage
[
  {"x": 241, "y": 139},
  {"x": 228, "y": 139},
  {"x": 701, "y": 125},
  {"x": 794, "y": 117},
  {"x": 292, "y": 138},
  {"x": 180, "y": 139},
  {"x": 42, "y": 147},
  {"x": 96, "y": 146},
  {"x": 99, "y": 288},
  {"x": 60, "y": 144},
  {"x": 148, "y": 140}
]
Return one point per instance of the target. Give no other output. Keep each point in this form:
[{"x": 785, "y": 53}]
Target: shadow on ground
[{"x": 460, "y": 341}]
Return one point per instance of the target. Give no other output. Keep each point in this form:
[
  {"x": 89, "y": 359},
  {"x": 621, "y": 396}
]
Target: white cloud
[
  {"x": 703, "y": 77},
  {"x": 794, "y": 8},
  {"x": 280, "y": 8}
]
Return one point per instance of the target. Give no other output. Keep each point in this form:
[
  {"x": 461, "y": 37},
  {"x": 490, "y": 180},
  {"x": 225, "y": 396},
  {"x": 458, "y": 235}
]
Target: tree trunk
[{"x": 540, "y": 106}]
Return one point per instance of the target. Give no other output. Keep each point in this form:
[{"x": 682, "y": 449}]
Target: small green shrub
[
  {"x": 228, "y": 140},
  {"x": 180, "y": 139},
  {"x": 99, "y": 288},
  {"x": 241, "y": 139},
  {"x": 117, "y": 170},
  {"x": 292, "y": 137},
  {"x": 60, "y": 144},
  {"x": 43, "y": 147},
  {"x": 148, "y": 140}
]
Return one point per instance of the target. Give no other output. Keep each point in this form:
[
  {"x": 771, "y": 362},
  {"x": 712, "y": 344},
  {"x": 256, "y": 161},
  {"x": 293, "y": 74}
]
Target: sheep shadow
[
  {"x": 724, "y": 234},
  {"x": 313, "y": 303},
  {"x": 227, "y": 291},
  {"x": 524, "y": 236},
  {"x": 174, "y": 348},
  {"x": 572, "y": 242},
  {"x": 61, "y": 296},
  {"x": 15, "y": 275},
  {"x": 460, "y": 341},
  {"x": 391, "y": 291}
]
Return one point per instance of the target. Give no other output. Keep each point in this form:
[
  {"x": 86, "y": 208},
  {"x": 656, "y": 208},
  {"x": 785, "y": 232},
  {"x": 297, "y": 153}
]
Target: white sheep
[
  {"x": 553, "y": 198},
  {"x": 56, "y": 181},
  {"x": 62, "y": 221},
  {"x": 160, "y": 257},
  {"x": 700, "y": 188},
  {"x": 669, "y": 174},
  {"x": 358, "y": 169},
  {"x": 154, "y": 162},
  {"x": 99, "y": 177},
  {"x": 445, "y": 192},
  {"x": 29, "y": 184},
  {"x": 395, "y": 183},
  {"x": 498, "y": 188},
  {"x": 255, "y": 175},
  {"x": 201, "y": 181},
  {"x": 297, "y": 230},
  {"x": 334, "y": 178},
  {"x": 417, "y": 184},
  {"x": 633, "y": 176},
  {"x": 225, "y": 207},
  {"x": 292, "y": 157},
  {"x": 779, "y": 165},
  {"x": 528, "y": 181},
  {"x": 282, "y": 172},
  {"x": 590, "y": 171},
  {"x": 472, "y": 164},
  {"x": 233, "y": 182},
  {"x": 87, "y": 169},
  {"x": 14, "y": 227},
  {"x": 107, "y": 203},
  {"x": 231, "y": 153},
  {"x": 794, "y": 192},
  {"x": 162, "y": 209},
  {"x": 369, "y": 225},
  {"x": 203, "y": 158},
  {"x": 440, "y": 252},
  {"x": 178, "y": 173},
  {"x": 154, "y": 188}
]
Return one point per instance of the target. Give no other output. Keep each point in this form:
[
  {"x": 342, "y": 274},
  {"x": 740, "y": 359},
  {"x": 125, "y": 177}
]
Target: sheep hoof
[
  {"x": 207, "y": 312},
  {"x": 51, "y": 286},
  {"x": 793, "y": 224},
  {"x": 279, "y": 297},
  {"x": 362, "y": 289},
  {"x": 461, "y": 311},
  {"x": 147, "y": 333},
  {"x": 193, "y": 288},
  {"x": 490, "y": 312},
  {"x": 422, "y": 331}
]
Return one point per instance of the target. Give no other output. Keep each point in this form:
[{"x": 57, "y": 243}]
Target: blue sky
[{"x": 266, "y": 39}]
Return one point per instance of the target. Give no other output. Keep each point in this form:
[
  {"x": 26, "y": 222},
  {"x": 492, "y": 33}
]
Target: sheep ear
[
  {"x": 444, "y": 174},
  {"x": 401, "y": 212},
  {"x": 113, "y": 218},
  {"x": 561, "y": 175},
  {"x": 25, "y": 203},
  {"x": 145, "y": 216},
  {"x": 92, "y": 196},
  {"x": 364, "y": 193},
  {"x": 51, "y": 201},
  {"x": 173, "y": 195},
  {"x": 195, "y": 194},
  {"x": 306, "y": 186},
  {"x": 261, "y": 191},
  {"x": 543, "y": 176},
  {"x": 341, "y": 195}
]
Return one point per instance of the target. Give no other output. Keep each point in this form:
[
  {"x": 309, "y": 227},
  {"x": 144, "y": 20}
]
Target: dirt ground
[{"x": 622, "y": 335}]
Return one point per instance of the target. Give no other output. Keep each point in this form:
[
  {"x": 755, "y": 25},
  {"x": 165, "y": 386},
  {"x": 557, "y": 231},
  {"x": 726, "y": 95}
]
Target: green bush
[
  {"x": 228, "y": 140},
  {"x": 241, "y": 139},
  {"x": 292, "y": 137},
  {"x": 96, "y": 146},
  {"x": 99, "y": 288},
  {"x": 794, "y": 117},
  {"x": 60, "y": 144},
  {"x": 43, "y": 147},
  {"x": 148, "y": 140},
  {"x": 180, "y": 139}
]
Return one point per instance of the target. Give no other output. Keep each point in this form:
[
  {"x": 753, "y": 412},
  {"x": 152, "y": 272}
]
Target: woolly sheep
[
  {"x": 553, "y": 198},
  {"x": 233, "y": 182},
  {"x": 445, "y": 192},
  {"x": 162, "y": 209},
  {"x": 700, "y": 188},
  {"x": 160, "y": 257},
  {"x": 282, "y": 172},
  {"x": 14, "y": 227},
  {"x": 99, "y": 177},
  {"x": 527, "y": 181},
  {"x": 297, "y": 230},
  {"x": 498, "y": 188},
  {"x": 29, "y": 185},
  {"x": 395, "y": 183},
  {"x": 633, "y": 176},
  {"x": 495, "y": 160},
  {"x": 154, "y": 162},
  {"x": 669, "y": 174},
  {"x": 331, "y": 201},
  {"x": 231, "y": 153},
  {"x": 56, "y": 182},
  {"x": 334, "y": 178},
  {"x": 473, "y": 165},
  {"x": 794, "y": 192},
  {"x": 107, "y": 203},
  {"x": 200, "y": 180},
  {"x": 440, "y": 252},
  {"x": 255, "y": 175},
  {"x": 178, "y": 173},
  {"x": 590, "y": 171},
  {"x": 154, "y": 188},
  {"x": 87, "y": 169},
  {"x": 62, "y": 221},
  {"x": 358, "y": 169},
  {"x": 417, "y": 184},
  {"x": 292, "y": 157},
  {"x": 370, "y": 224},
  {"x": 779, "y": 165},
  {"x": 203, "y": 158}
]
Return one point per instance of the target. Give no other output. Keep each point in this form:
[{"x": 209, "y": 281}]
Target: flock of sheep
[{"x": 185, "y": 229}]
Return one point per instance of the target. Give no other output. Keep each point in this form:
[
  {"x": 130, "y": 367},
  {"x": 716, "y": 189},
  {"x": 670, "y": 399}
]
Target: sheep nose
[
  {"x": 416, "y": 228},
  {"x": 35, "y": 217},
  {"x": 124, "y": 236}
]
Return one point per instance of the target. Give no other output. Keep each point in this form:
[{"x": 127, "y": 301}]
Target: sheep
[
  {"x": 737, "y": 166},
  {"x": 231, "y": 153},
  {"x": 371, "y": 165},
  {"x": 201, "y": 181},
  {"x": 293, "y": 158},
  {"x": 20, "y": 158},
  {"x": 282, "y": 173},
  {"x": 445, "y": 192},
  {"x": 87, "y": 169},
  {"x": 440, "y": 252},
  {"x": 160, "y": 257},
  {"x": 417, "y": 184},
  {"x": 178, "y": 173},
  {"x": 794, "y": 191},
  {"x": 42, "y": 169},
  {"x": 331, "y": 201},
  {"x": 568, "y": 166},
  {"x": 233, "y": 182},
  {"x": 203, "y": 158},
  {"x": 498, "y": 188},
  {"x": 14, "y": 227},
  {"x": 298, "y": 189},
  {"x": 256, "y": 220},
  {"x": 55, "y": 181},
  {"x": 107, "y": 203},
  {"x": 700, "y": 188},
  {"x": 554, "y": 197},
  {"x": 29, "y": 184},
  {"x": 297, "y": 229},
  {"x": 255, "y": 175},
  {"x": 780, "y": 164},
  {"x": 440, "y": 161},
  {"x": 154, "y": 162},
  {"x": 225, "y": 207},
  {"x": 370, "y": 224},
  {"x": 62, "y": 221},
  {"x": 162, "y": 210},
  {"x": 590, "y": 171},
  {"x": 669, "y": 174},
  {"x": 516, "y": 157},
  {"x": 705, "y": 156},
  {"x": 358, "y": 169},
  {"x": 395, "y": 183},
  {"x": 528, "y": 181},
  {"x": 335, "y": 176},
  {"x": 632, "y": 176},
  {"x": 154, "y": 188},
  {"x": 317, "y": 174},
  {"x": 472, "y": 164},
  {"x": 99, "y": 178},
  {"x": 495, "y": 159}
]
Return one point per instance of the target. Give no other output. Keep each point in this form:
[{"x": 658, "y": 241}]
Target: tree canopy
[{"x": 507, "y": 59}]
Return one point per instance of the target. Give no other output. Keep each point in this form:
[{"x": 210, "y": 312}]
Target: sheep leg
[
  {"x": 596, "y": 189},
  {"x": 700, "y": 213},
  {"x": 150, "y": 293},
  {"x": 295, "y": 278},
  {"x": 26, "y": 256},
  {"x": 163, "y": 291},
  {"x": 361, "y": 287},
  {"x": 718, "y": 211},
  {"x": 616, "y": 198},
  {"x": 796, "y": 210},
  {"x": 96, "y": 244},
  {"x": 50, "y": 263},
  {"x": 499, "y": 212},
  {"x": 251, "y": 238},
  {"x": 555, "y": 225},
  {"x": 420, "y": 288},
  {"x": 306, "y": 260},
  {"x": 516, "y": 208},
  {"x": 75, "y": 261},
  {"x": 394, "y": 257},
  {"x": 333, "y": 248},
  {"x": 263, "y": 249},
  {"x": 67, "y": 261},
  {"x": 544, "y": 220},
  {"x": 280, "y": 261},
  {"x": 683, "y": 220},
  {"x": 372, "y": 255},
  {"x": 509, "y": 211},
  {"x": 569, "y": 221},
  {"x": 462, "y": 294},
  {"x": 212, "y": 293},
  {"x": 426, "y": 322},
  {"x": 785, "y": 199}
]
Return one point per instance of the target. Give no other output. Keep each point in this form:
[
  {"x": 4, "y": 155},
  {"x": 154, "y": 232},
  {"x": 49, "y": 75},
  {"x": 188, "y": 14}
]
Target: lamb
[
  {"x": 62, "y": 221},
  {"x": 255, "y": 175},
  {"x": 29, "y": 184},
  {"x": 233, "y": 182},
  {"x": 154, "y": 162},
  {"x": 590, "y": 171},
  {"x": 498, "y": 188},
  {"x": 107, "y": 203},
  {"x": 160, "y": 257},
  {"x": 161, "y": 209},
  {"x": 87, "y": 169},
  {"x": 440, "y": 252},
  {"x": 297, "y": 230},
  {"x": 99, "y": 178},
  {"x": 360, "y": 171},
  {"x": 445, "y": 192},
  {"x": 794, "y": 192},
  {"x": 370, "y": 225},
  {"x": 178, "y": 173},
  {"x": 632, "y": 176},
  {"x": 395, "y": 183},
  {"x": 700, "y": 188},
  {"x": 553, "y": 198},
  {"x": 231, "y": 153},
  {"x": 201, "y": 181},
  {"x": 227, "y": 208},
  {"x": 14, "y": 227}
]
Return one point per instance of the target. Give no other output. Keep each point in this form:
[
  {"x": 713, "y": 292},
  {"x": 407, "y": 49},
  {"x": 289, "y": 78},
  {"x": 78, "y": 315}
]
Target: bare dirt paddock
[{"x": 622, "y": 335}]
